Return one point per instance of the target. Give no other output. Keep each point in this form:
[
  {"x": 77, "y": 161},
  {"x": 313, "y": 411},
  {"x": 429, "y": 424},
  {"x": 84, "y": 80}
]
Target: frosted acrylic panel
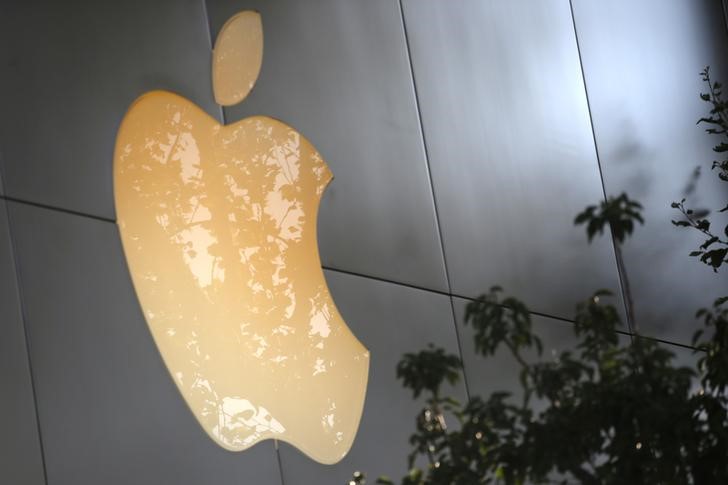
[
  {"x": 219, "y": 230},
  {"x": 237, "y": 57}
]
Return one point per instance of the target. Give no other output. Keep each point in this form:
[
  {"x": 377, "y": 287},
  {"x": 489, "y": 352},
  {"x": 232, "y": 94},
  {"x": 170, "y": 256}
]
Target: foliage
[
  {"x": 607, "y": 412},
  {"x": 610, "y": 413},
  {"x": 717, "y": 120},
  {"x": 714, "y": 250},
  {"x": 618, "y": 213},
  {"x": 427, "y": 370}
]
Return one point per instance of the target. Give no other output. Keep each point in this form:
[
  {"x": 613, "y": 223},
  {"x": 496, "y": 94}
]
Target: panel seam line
[
  {"x": 620, "y": 270},
  {"x": 9, "y": 198},
  {"x": 470, "y": 298},
  {"x": 26, "y": 338},
  {"x": 432, "y": 189},
  {"x": 449, "y": 293}
]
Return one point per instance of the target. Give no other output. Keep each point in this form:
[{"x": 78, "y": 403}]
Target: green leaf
[
  {"x": 711, "y": 120},
  {"x": 702, "y": 224},
  {"x": 708, "y": 242},
  {"x": 715, "y": 257}
]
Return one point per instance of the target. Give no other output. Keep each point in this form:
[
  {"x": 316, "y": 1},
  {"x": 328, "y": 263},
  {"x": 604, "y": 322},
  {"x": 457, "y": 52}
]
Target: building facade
[{"x": 463, "y": 136}]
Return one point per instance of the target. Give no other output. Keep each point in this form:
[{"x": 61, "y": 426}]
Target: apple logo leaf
[{"x": 237, "y": 57}]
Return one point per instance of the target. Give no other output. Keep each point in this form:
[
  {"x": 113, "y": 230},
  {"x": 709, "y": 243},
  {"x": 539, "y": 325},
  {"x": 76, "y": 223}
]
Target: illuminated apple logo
[{"x": 218, "y": 225}]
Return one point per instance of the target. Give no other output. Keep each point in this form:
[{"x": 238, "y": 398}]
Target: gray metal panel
[
  {"x": 684, "y": 357},
  {"x": 389, "y": 320},
  {"x": 641, "y": 62},
  {"x": 70, "y": 70},
  {"x": 510, "y": 145},
  {"x": 337, "y": 71},
  {"x": 20, "y": 453},
  {"x": 2, "y": 185},
  {"x": 108, "y": 408}
]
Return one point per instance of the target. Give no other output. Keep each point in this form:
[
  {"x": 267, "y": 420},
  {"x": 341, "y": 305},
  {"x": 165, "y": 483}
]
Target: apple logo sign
[{"x": 218, "y": 225}]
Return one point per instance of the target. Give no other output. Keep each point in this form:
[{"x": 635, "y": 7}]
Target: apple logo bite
[{"x": 218, "y": 225}]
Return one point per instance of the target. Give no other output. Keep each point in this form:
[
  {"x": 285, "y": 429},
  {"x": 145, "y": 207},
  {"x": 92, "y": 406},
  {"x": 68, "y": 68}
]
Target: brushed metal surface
[
  {"x": 109, "y": 410},
  {"x": 510, "y": 145},
  {"x": 20, "y": 452},
  {"x": 2, "y": 185},
  {"x": 70, "y": 72},
  {"x": 390, "y": 320},
  {"x": 337, "y": 71},
  {"x": 642, "y": 62}
]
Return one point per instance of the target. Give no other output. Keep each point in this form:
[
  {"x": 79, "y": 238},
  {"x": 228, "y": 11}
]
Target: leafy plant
[
  {"x": 714, "y": 250},
  {"x": 606, "y": 412},
  {"x": 619, "y": 214}
]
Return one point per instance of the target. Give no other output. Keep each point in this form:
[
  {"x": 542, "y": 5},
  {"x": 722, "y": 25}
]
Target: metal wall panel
[
  {"x": 2, "y": 185},
  {"x": 20, "y": 453},
  {"x": 642, "y": 62},
  {"x": 337, "y": 71},
  {"x": 389, "y": 320},
  {"x": 109, "y": 411},
  {"x": 71, "y": 70},
  {"x": 507, "y": 129},
  {"x": 686, "y": 357}
]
